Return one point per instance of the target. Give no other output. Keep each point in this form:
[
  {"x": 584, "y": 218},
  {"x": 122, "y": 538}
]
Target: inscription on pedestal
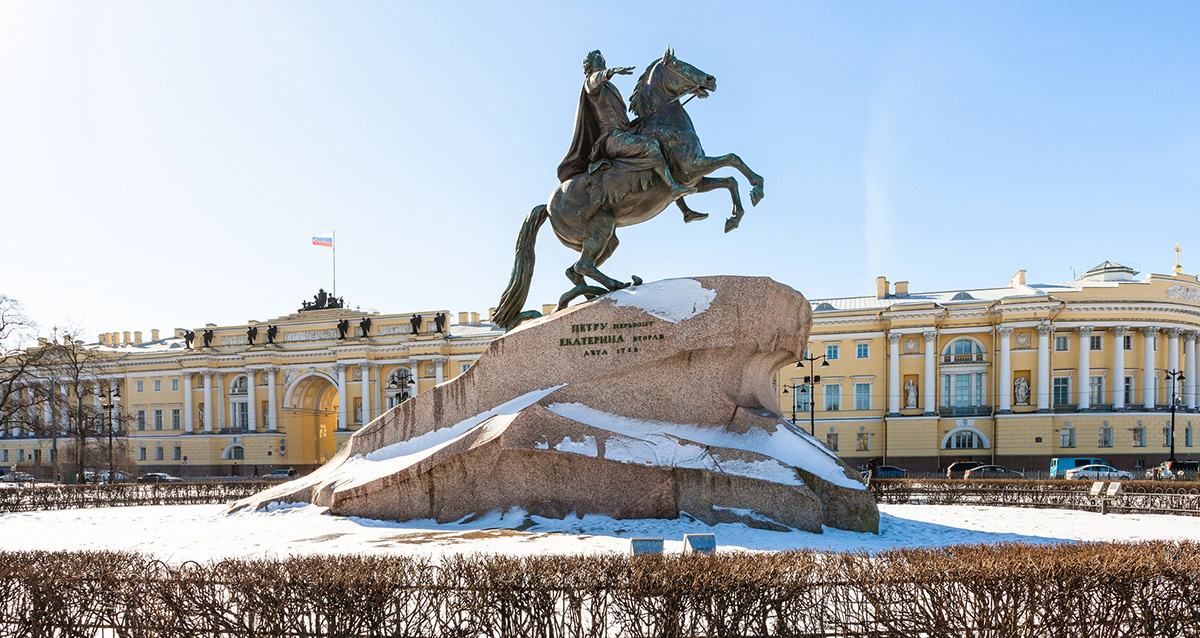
[{"x": 610, "y": 337}]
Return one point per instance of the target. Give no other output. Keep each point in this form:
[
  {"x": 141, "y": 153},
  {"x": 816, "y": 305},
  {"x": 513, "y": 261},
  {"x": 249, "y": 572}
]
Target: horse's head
[{"x": 666, "y": 79}]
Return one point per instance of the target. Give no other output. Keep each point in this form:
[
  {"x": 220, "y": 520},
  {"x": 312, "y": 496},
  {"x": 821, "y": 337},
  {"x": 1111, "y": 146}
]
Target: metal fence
[
  {"x": 1135, "y": 497},
  {"x": 55, "y": 497}
]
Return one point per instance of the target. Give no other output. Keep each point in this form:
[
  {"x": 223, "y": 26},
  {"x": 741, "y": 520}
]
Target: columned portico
[
  {"x": 1085, "y": 367},
  {"x": 1043, "y": 385},
  {"x": 1118, "y": 380},
  {"x": 340, "y": 370},
  {"x": 930, "y": 371},
  {"x": 208, "y": 404},
  {"x": 894, "y": 373},
  {"x": 1005, "y": 395},
  {"x": 187, "y": 401},
  {"x": 366, "y": 392},
  {"x": 1149, "y": 382},
  {"x": 272, "y": 418}
]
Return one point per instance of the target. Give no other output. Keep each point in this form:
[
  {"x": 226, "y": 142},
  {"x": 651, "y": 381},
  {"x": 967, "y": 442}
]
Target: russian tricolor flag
[{"x": 319, "y": 240}]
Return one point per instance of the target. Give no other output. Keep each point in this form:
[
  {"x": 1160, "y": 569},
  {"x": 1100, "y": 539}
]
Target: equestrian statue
[{"x": 619, "y": 173}]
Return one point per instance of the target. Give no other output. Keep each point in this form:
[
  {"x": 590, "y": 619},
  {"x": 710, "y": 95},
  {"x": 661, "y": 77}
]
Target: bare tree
[{"x": 20, "y": 392}]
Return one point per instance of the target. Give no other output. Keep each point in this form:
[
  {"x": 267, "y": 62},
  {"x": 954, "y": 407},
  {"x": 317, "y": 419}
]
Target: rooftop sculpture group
[{"x": 619, "y": 173}]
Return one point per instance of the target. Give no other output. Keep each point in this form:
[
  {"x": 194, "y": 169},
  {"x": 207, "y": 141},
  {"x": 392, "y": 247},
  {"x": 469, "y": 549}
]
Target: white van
[{"x": 1059, "y": 466}]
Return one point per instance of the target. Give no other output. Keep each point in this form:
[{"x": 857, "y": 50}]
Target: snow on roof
[
  {"x": 147, "y": 347},
  {"x": 965, "y": 297},
  {"x": 485, "y": 329}
]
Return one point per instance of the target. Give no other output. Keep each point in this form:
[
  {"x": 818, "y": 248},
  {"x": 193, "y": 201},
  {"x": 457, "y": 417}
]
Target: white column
[
  {"x": 1173, "y": 348},
  {"x": 208, "y": 406},
  {"x": 1118, "y": 382},
  {"x": 251, "y": 408},
  {"x": 1085, "y": 370},
  {"x": 1043, "y": 383},
  {"x": 1189, "y": 382},
  {"x": 413, "y": 368},
  {"x": 379, "y": 383},
  {"x": 341, "y": 381},
  {"x": 1149, "y": 382},
  {"x": 48, "y": 407},
  {"x": 220, "y": 401},
  {"x": 893, "y": 373},
  {"x": 366, "y": 392},
  {"x": 1004, "y": 397},
  {"x": 117, "y": 411},
  {"x": 930, "y": 371},
  {"x": 187, "y": 402},
  {"x": 438, "y": 371},
  {"x": 272, "y": 420}
]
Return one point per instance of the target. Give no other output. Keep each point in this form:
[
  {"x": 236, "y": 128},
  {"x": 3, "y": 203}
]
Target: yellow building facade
[
  {"x": 243, "y": 400},
  {"x": 1014, "y": 375}
]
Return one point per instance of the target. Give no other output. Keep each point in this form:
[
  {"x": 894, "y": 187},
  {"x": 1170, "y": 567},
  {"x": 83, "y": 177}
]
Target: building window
[
  {"x": 1066, "y": 437},
  {"x": 831, "y": 441},
  {"x": 862, "y": 396},
  {"x": 4, "y": 456},
  {"x": 831, "y": 351},
  {"x": 802, "y": 402},
  {"x": 464, "y": 366},
  {"x": 239, "y": 385},
  {"x": 1187, "y": 437},
  {"x": 20, "y": 455},
  {"x": 833, "y": 397},
  {"x": 1062, "y": 391},
  {"x": 176, "y": 415},
  {"x": 141, "y": 454},
  {"x": 158, "y": 419},
  {"x": 158, "y": 454},
  {"x": 234, "y": 453},
  {"x": 158, "y": 385},
  {"x": 862, "y": 442},
  {"x": 963, "y": 390},
  {"x": 1062, "y": 343},
  {"x": 141, "y": 419},
  {"x": 1139, "y": 436},
  {"x": 139, "y": 385},
  {"x": 1167, "y": 436},
  {"x": 965, "y": 440},
  {"x": 1128, "y": 342},
  {"x": 862, "y": 350},
  {"x": 177, "y": 454},
  {"x": 1106, "y": 436},
  {"x": 241, "y": 414},
  {"x": 1128, "y": 390},
  {"x": 174, "y": 385},
  {"x": 1096, "y": 342},
  {"x": 1095, "y": 391},
  {"x": 963, "y": 351}
]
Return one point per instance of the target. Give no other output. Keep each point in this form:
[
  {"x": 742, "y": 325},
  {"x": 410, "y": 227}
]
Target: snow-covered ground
[{"x": 201, "y": 532}]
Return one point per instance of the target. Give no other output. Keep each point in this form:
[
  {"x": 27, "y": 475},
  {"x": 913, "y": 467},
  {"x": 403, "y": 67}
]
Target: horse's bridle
[{"x": 689, "y": 92}]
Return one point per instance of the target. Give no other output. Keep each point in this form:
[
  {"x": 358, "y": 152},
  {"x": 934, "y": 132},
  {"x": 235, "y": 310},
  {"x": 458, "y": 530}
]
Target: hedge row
[{"x": 1010, "y": 590}]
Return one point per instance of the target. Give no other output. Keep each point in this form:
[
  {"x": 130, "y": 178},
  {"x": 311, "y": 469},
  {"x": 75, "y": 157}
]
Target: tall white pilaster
[
  {"x": 340, "y": 369},
  {"x": 1149, "y": 381},
  {"x": 1085, "y": 367},
  {"x": 272, "y": 419},
  {"x": 1043, "y": 378},
  {"x": 1118, "y": 382},
  {"x": 187, "y": 401},
  {"x": 930, "y": 371},
  {"x": 251, "y": 407},
  {"x": 208, "y": 404},
  {"x": 366, "y": 392},
  {"x": 894, "y": 373},
  {"x": 1005, "y": 395}
]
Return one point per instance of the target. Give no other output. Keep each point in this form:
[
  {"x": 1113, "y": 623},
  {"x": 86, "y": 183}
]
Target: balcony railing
[
  {"x": 963, "y": 358},
  {"x": 1065, "y": 407},
  {"x": 965, "y": 410}
]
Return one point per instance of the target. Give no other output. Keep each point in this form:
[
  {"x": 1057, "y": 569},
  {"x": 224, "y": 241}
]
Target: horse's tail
[{"x": 508, "y": 312}]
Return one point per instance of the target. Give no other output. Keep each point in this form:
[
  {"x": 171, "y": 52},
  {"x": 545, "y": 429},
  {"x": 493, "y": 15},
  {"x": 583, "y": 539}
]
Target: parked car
[
  {"x": 281, "y": 475},
  {"x": 1174, "y": 470},
  {"x": 17, "y": 477},
  {"x": 158, "y": 477},
  {"x": 992, "y": 472},
  {"x": 1097, "y": 472},
  {"x": 956, "y": 470},
  {"x": 1059, "y": 466}
]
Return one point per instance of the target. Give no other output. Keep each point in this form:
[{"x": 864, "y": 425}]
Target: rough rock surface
[{"x": 648, "y": 402}]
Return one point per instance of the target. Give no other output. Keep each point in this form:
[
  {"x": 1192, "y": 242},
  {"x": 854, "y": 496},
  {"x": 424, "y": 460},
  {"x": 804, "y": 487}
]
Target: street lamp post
[
  {"x": 807, "y": 385},
  {"x": 400, "y": 383},
  {"x": 1173, "y": 376},
  {"x": 109, "y": 401}
]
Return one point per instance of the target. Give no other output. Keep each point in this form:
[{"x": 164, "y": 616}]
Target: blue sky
[{"x": 166, "y": 164}]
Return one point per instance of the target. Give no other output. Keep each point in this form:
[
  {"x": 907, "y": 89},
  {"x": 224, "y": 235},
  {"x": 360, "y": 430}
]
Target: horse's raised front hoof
[
  {"x": 756, "y": 195},
  {"x": 693, "y": 216},
  {"x": 732, "y": 222},
  {"x": 637, "y": 281}
]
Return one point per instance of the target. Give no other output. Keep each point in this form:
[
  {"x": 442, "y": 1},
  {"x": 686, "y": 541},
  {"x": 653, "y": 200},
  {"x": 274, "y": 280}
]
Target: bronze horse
[{"x": 586, "y": 210}]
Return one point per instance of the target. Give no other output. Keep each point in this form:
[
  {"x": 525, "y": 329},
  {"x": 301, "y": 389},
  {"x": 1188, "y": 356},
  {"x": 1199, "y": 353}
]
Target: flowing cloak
[
  {"x": 587, "y": 131},
  {"x": 601, "y": 110}
]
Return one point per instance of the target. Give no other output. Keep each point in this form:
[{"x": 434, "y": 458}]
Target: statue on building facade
[
  {"x": 272, "y": 332},
  {"x": 439, "y": 322},
  {"x": 1021, "y": 391},
  {"x": 251, "y": 334},
  {"x": 189, "y": 338},
  {"x": 364, "y": 326},
  {"x": 207, "y": 336},
  {"x": 611, "y": 176},
  {"x": 322, "y": 301},
  {"x": 415, "y": 322},
  {"x": 910, "y": 394}
]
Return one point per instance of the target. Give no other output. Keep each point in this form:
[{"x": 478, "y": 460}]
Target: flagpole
[{"x": 334, "y": 246}]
